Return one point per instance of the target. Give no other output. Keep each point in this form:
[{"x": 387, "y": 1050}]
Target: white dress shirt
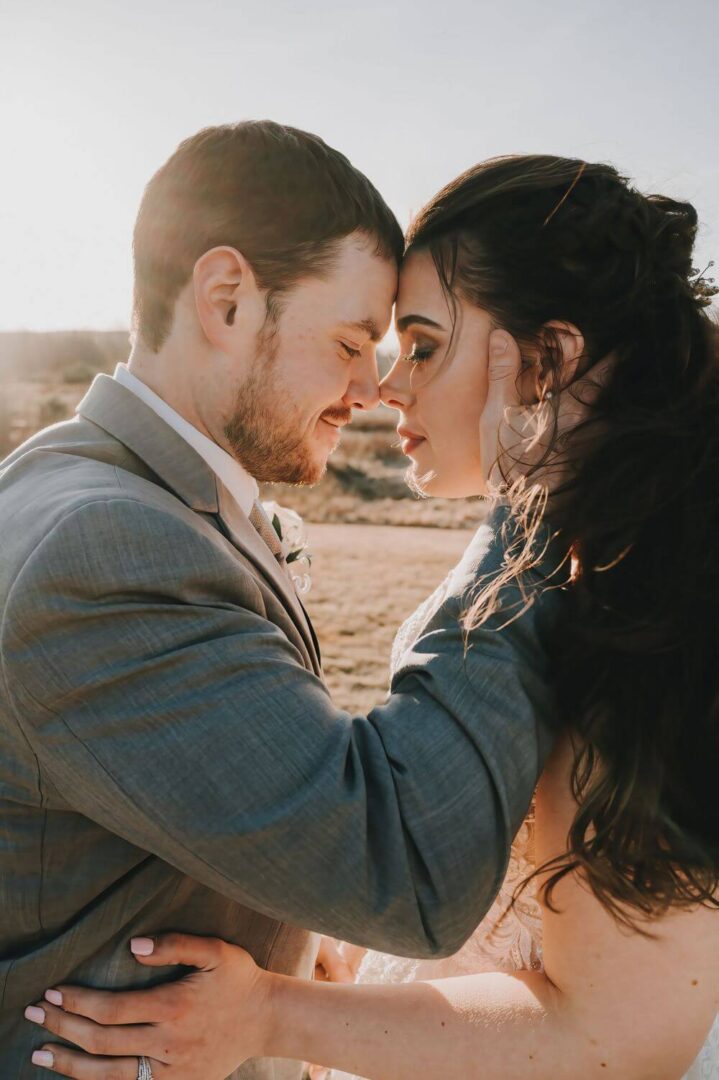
[{"x": 241, "y": 486}]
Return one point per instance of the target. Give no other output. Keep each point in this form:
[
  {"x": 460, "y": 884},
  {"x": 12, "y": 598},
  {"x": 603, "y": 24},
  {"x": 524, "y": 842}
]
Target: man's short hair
[{"x": 279, "y": 195}]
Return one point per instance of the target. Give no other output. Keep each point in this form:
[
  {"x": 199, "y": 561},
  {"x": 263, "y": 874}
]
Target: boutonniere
[{"x": 292, "y": 534}]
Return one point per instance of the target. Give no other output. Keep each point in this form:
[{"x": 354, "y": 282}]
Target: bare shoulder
[{"x": 645, "y": 987}]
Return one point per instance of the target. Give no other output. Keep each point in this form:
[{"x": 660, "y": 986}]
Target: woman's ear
[
  {"x": 570, "y": 341},
  {"x": 537, "y": 378},
  {"x": 222, "y": 280}
]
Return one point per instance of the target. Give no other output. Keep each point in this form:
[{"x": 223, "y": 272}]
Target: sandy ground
[{"x": 366, "y": 579}]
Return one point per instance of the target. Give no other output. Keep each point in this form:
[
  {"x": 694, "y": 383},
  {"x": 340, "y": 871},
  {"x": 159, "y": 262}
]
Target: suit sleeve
[{"x": 184, "y": 721}]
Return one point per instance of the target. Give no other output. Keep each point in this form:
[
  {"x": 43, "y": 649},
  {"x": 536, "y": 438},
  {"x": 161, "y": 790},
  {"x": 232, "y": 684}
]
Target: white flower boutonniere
[{"x": 292, "y": 533}]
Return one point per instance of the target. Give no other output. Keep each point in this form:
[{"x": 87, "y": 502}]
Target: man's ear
[{"x": 222, "y": 279}]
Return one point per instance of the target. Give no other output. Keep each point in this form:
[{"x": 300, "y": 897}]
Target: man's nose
[{"x": 363, "y": 390}]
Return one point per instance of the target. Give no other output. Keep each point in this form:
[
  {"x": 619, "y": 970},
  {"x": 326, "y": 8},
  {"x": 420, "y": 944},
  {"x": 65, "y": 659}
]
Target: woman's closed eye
[
  {"x": 350, "y": 353},
  {"x": 418, "y": 355}
]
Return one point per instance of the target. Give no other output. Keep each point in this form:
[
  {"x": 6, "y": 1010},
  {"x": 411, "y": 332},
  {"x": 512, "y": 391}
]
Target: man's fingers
[
  {"x": 590, "y": 385},
  {"x": 505, "y": 361},
  {"x": 577, "y": 400},
  {"x": 154, "y": 1006},
  {"x": 354, "y": 955},
  {"x": 601, "y": 372},
  {"x": 95, "y": 1038},
  {"x": 168, "y": 949},
  {"x": 503, "y": 369},
  {"x": 519, "y": 440},
  {"x": 64, "y": 1062},
  {"x": 317, "y": 1072},
  {"x": 334, "y": 964}
]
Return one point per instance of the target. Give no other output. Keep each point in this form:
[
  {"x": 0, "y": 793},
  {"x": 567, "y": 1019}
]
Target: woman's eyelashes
[
  {"x": 418, "y": 354},
  {"x": 349, "y": 352}
]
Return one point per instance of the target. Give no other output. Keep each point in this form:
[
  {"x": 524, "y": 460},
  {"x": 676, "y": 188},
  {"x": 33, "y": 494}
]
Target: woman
[{"x": 601, "y": 954}]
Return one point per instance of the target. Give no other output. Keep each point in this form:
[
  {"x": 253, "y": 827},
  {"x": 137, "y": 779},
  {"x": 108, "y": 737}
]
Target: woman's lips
[{"x": 410, "y": 440}]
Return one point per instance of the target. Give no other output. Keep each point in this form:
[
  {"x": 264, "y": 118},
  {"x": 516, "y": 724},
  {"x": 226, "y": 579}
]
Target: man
[{"x": 169, "y": 755}]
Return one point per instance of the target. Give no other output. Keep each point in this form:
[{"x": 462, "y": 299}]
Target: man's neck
[
  {"x": 160, "y": 374},
  {"x": 235, "y": 478}
]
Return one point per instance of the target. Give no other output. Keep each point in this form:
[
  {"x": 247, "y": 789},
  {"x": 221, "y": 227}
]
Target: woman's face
[{"x": 439, "y": 392}]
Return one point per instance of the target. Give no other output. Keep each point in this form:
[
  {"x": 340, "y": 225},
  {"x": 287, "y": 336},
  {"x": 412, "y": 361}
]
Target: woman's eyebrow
[{"x": 407, "y": 320}]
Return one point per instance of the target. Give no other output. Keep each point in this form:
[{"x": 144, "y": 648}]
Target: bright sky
[{"x": 96, "y": 94}]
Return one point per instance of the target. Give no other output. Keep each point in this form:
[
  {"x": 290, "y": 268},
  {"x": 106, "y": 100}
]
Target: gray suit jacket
[{"x": 170, "y": 757}]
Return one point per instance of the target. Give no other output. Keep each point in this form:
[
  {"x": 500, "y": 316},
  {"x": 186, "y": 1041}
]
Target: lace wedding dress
[{"x": 508, "y": 939}]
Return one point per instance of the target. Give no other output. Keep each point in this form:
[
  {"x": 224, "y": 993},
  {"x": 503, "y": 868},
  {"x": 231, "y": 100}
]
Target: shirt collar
[{"x": 241, "y": 486}]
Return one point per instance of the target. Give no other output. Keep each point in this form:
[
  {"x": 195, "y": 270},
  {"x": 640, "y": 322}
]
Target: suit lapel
[
  {"x": 244, "y": 536},
  {"x": 123, "y": 415},
  {"x": 181, "y": 469}
]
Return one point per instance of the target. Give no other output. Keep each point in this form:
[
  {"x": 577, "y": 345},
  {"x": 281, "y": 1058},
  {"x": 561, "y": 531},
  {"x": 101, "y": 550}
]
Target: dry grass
[{"x": 365, "y": 581}]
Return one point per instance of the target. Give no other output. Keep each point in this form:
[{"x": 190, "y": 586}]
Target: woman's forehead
[{"x": 420, "y": 291}]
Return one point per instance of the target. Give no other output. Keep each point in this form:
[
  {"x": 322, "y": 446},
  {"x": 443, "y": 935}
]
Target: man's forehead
[{"x": 367, "y": 299}]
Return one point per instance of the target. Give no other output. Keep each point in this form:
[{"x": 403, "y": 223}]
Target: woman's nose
[{"x": 394, "y": 389}]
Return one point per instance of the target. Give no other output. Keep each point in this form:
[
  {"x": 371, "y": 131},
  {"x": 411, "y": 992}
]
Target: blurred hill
[
  {"x": 43, "y": 376},
  {"x": 72, "y": 356}
]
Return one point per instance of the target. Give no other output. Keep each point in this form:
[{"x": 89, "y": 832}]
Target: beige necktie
[{"x": 266, "y": 529}]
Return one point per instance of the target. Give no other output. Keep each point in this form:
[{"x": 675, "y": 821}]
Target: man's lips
[
  {"x": 338, "y": 418},
  {"x": 333, "y": 427}
]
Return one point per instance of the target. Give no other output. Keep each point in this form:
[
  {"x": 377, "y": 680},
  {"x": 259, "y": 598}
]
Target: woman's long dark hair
[{"x": 636, "y": 654}]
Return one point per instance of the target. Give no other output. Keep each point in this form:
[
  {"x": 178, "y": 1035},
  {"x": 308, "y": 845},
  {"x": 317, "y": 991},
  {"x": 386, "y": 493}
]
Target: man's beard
[{"x": 265, "y": 432}]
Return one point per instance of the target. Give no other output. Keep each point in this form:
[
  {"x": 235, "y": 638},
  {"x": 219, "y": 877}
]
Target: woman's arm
[
  {"x": 488, "y": 1026},
  {"x": 644, "y": 1022},
  {"x": 612, "y": 1003}
]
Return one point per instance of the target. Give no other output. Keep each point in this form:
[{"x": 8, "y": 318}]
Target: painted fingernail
[
  {"x": 54, "y": 997},
  {"x": 43, "y": 1058},
  {"x": 36, "y": 1015},
  {"x": 142, "y": 946}
]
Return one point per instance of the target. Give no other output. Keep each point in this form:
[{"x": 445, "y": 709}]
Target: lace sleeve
[{"x": 411, "y": 628}]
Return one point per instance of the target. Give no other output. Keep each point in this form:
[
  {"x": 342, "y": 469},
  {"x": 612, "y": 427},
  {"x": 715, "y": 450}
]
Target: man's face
[{"x": 313, "y": 364}]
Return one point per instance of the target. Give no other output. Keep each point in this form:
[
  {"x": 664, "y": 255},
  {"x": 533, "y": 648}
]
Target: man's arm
[{"x": 163, "y": 705}]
